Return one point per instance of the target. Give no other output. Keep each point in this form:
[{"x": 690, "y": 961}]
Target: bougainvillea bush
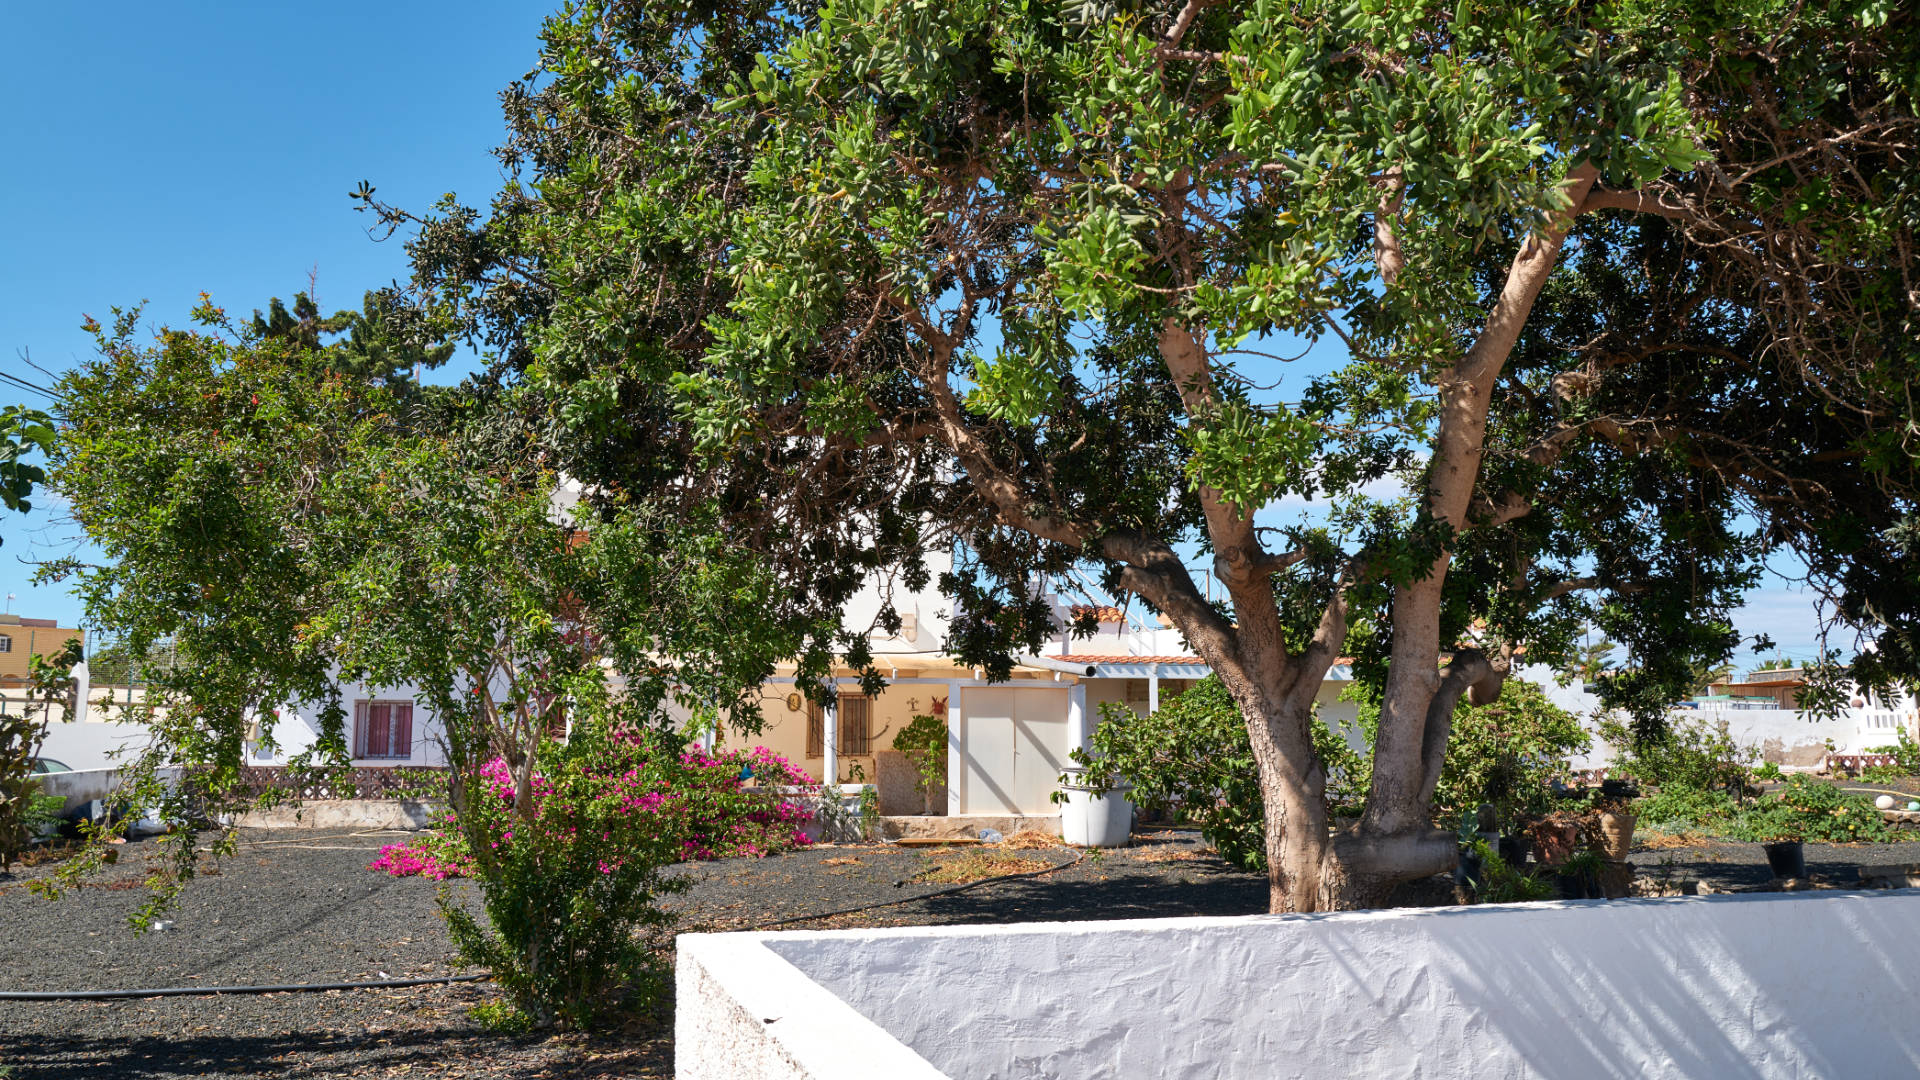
[
  {"x": 570, "y": 881},
  {"x": 437, "y": 854},
  {"x": 730, "y": 804},
  {"x": 733, "y": 803}
]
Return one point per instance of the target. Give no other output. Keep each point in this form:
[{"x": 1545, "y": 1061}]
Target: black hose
[{"x": 195, "y": 991}]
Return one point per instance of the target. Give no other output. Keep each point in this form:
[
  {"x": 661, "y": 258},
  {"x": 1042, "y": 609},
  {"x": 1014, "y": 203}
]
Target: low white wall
[
  {"x": 1757, "y": 986},
  {"x": 85, "y": 785},
  {"x": 394, "y": 814},
  {"x": 742, "y": 1012}
]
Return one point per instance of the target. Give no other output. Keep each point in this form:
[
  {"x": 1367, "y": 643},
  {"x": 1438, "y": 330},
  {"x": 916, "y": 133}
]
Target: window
[
  {"x": 6, "y": 643},
  {"x": 383, "y": 729},
  {"x": 855, "y": 736}
]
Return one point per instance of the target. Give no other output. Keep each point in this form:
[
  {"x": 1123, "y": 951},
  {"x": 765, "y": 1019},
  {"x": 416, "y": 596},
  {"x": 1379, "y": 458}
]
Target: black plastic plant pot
[
  {"x": 1577, "y": 887},
  {"x": 1513, "y": 851},
  {"x": 1787, "y": 858},
  {"x": 1618, "y": 789},
  {"x": 1467, "y": 870}
]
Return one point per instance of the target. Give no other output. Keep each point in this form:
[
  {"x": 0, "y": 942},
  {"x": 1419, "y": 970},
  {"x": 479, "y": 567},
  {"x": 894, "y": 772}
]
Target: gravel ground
[
  {"x": 1737, "y": 867},
  {"x": 299, "y": 906}
]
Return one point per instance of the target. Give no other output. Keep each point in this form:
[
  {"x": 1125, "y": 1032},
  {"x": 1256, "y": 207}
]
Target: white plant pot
[{"x": 1090, "y": 820}]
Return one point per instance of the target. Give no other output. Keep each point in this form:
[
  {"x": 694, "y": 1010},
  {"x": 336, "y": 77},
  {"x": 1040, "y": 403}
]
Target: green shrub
[
  {"x": 1507, "y": 754},
  {"x": 1193, "y": 759},
  {"x": 1693, "y": 754},
  {"x": 1504, "y": 884},
  {"x": 1809, "y": 809},
  {"x": 1906, "y": 758},
  {"x": 924, "y": 741},
  {"x": 19, "y": 788},
  {"x": 1767, "y": 772},
  {"x": 1677, "y": 808}
]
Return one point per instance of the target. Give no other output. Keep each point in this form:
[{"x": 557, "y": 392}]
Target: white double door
[{"x": 1015, "y": 742}]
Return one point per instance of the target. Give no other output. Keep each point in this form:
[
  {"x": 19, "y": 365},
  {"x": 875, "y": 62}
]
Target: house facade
[{"x": 1008, "y": 742}]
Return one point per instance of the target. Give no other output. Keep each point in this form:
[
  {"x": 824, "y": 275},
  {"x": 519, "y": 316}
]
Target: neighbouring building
[{"x": 22, "y": 639}]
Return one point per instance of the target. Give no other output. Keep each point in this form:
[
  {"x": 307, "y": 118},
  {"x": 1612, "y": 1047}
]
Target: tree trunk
[
  {"x": 1294, "y": 801},
  {"x": 1310, "y": 867}
]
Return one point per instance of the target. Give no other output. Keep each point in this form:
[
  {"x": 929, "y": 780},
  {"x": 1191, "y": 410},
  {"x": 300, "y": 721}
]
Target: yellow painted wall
[
  {"x": 786, "y": 729},
  {"x": 29, "y": 641}
]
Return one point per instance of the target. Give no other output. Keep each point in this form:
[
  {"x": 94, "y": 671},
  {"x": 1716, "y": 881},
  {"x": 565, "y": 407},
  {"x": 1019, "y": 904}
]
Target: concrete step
[{"x": 897, "y": 826}]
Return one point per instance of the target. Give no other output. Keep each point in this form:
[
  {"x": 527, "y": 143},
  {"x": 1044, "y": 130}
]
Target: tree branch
[
  {"x": 1638, "y": 201},
  {"x": 1180, "y": 24},
  {"x": 1387, "y": 253}
]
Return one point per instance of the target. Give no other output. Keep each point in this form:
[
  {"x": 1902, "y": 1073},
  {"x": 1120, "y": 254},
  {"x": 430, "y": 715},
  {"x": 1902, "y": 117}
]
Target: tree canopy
[
  {"x": 1625, "y": 293},
  {"x": 1621, "y": 298},
  {"x": 278, "y": 521}
]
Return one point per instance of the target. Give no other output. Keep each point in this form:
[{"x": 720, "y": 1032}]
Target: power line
[{"x": 25, "y": 385}]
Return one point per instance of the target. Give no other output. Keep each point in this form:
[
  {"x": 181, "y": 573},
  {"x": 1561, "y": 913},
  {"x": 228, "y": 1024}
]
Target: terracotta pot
[
  {"x": 1616, "y": 836},
  {"x": 1554, "y": 842}
]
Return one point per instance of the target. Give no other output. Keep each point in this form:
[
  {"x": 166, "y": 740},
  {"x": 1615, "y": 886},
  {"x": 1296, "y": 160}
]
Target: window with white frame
[
  {"x": 383, "y": 729},
  {"x": 6, "y": 643}
]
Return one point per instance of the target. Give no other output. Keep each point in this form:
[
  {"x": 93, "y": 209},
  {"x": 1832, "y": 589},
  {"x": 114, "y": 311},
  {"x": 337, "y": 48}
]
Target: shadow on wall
[{"x": 1700, "y": 996}]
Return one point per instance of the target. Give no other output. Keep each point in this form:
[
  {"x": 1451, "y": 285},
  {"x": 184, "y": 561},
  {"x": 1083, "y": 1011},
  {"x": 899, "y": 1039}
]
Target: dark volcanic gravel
[
  {"x": 300, "y": 906},
  {"x": 1735, "y": 867}
]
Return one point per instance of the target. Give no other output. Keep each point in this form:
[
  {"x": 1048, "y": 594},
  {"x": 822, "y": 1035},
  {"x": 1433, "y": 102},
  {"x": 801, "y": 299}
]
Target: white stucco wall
[{"x": 1753, "y": 986}]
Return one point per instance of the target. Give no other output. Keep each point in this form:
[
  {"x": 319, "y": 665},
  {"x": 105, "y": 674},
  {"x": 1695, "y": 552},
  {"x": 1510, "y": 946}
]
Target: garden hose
[{"x": 202, "y": 991}]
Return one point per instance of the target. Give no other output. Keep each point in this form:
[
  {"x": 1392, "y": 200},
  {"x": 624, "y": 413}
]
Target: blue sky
[{"x": 154, "y": 151}]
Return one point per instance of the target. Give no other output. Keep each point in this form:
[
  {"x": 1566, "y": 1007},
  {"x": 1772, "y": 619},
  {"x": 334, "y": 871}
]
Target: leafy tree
[
  {"x": 1594, "y": 660},
  {"x": 49, "y": 683},
  {"x": 1705, "y": 676},
  {"x": 385, "y": 339},
  {"x": 868, "y": 279},
  {"x": 22, "y": 432},
  {"x": 283, "y": 526}
]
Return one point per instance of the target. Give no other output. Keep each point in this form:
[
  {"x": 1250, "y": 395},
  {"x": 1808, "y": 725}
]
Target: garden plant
[
  {"x": 924, "y": 741},
  {"x": 285, "y": 520}
]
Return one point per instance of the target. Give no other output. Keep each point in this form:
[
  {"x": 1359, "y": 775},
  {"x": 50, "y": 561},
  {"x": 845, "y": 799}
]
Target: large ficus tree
[{"x": 872, "y": 277}]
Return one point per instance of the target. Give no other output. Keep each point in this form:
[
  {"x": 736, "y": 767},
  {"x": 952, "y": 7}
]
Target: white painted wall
[
  {"x": 927, "y": 612},
  {"x": 298, "y": 728},
  {"x": 87, "y": 746},
  {"x": 1774, "y": 985},
  {"x": 1783, "y": 736}
]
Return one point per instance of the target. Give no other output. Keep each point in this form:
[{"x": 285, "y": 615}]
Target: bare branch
[
  {"x": 1181, "y": 23},
  {"x": 1644, "y": 202}
]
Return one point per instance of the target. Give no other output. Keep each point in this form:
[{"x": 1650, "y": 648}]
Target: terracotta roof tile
[{"x": 1101, "y": 612}]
